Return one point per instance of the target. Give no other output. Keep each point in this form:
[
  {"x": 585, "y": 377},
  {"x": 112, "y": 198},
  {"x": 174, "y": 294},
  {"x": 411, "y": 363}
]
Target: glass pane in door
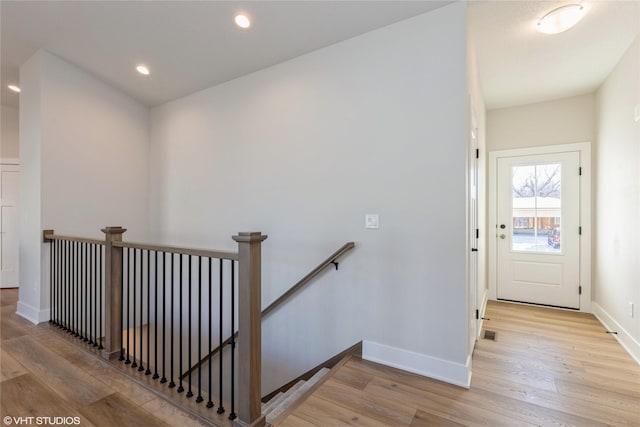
[{"x": 536, "y": 208}]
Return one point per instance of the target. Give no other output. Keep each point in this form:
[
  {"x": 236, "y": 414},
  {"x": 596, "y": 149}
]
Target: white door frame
[
  {"x": 584, "y": 148},
  {"x": 12, "y": 165}
]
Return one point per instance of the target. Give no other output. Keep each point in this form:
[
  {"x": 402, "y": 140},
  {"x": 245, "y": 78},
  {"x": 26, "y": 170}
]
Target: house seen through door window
[{"x": 536, "y": 208}]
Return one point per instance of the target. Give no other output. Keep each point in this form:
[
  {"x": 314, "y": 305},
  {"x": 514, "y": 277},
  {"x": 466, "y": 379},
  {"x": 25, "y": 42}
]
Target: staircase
[{"x": 282, "y": 401}]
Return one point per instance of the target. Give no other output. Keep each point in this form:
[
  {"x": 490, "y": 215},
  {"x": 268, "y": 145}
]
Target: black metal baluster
[
  {"x": 54, "y": 317},
  {"x": 129, "y": 250},
  {"x": 210, "y": 402},
  {"x": 141, "y": 367},
  {"x": 60, "y": 257},
  {"x": 221, "y": 340},
  {"x": 100, "y": 290},
  {"x": 92, "y": 268},
  {"x": 84, "y": 333},
  {"x": 172, "y": 383},
  {"x": 87, "y": 308},
  {"x": 189, "y": 392},
  {"x": 71, "y": 285},
  {"x": 155, "y": 320},
  {"x": 134, "y": 364},
  {"x": 164, "y": 316},
  {"x": 199, "y": 398},
  {"x": 75, "y": 289},
  {"x": 51, "y": 275},
  {"x": 232, "y": 414},
  {"x": 67, "y": 281},
  {"x": 148, "y": 371},
  {"x": 53, "y": 264},
  {"x": 180, "y": 387},
  {"x": 96, "y": 270},
  {"x": 122, "y": 293}
]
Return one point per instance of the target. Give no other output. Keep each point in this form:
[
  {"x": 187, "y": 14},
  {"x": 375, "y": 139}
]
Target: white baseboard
[
  {"x": 624, "y": 338},
  {"x": 417, "y": 363},
  {"x": 32, "y": 314}
]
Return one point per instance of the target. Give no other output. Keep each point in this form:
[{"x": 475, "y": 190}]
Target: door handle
[{"x": 503, "y": 236}]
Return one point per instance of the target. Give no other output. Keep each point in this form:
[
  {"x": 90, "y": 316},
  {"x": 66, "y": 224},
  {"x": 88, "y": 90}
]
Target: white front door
[
  {"x": 538, "y": 229},
  {"x": 9, "y": 184}
]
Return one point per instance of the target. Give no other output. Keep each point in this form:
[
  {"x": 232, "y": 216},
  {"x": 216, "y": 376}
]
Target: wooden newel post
[
  {"x": 112, "y": 292},
  {"x": 249, "y": 329}
]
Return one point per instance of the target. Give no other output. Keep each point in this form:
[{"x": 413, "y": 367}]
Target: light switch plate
[{"x": 372, "y": 221}]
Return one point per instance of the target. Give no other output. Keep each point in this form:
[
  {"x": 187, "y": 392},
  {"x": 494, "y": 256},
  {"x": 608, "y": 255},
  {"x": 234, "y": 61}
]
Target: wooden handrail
[
  {"x": 275, "y": 304},
  {"x": 309, "y": 277},
  {"x": 206, "y": 253},
  {"x": 50, "y": 236}
]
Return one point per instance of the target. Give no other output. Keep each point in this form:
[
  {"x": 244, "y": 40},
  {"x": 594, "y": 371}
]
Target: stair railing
[
  {"x": 121, "y": 297},
  {"x": 331, "y": 260}
]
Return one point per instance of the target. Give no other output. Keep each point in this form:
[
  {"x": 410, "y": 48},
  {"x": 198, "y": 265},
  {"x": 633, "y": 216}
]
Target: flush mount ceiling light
[
  {"x": 14, "y": 88},
  {"x": 143, "y": 70},
  {"x": 242, "y": 21},
  {"x": 561, "y": 19}
]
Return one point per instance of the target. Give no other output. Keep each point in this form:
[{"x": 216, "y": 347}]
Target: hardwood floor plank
[
  {"x": 99, "y": 368},
  {"x": 425, "y": 419},
  {"x": 115, "y": 410},
  {"x": 352, "y": 378},
  {"x": 170, "y": 414},
  {"x": 552, "y": 400},
  {"x": 73, "y": 384},
  {"x": 380, "y": 409},
  {"x": 443, "y": 406},
  {"x": 547, "y": 367},
  {"x": 296, "y": 421},
  {"x": 9, "y": 366},
  {"x": 322, "y": 412},
  {"x": 25, "y": 396},
  {"x": 599, "y": 395}
]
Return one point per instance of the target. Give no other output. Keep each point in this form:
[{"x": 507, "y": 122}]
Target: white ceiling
[
  {"x": 517, "y": 65},
  {"x": 192, "y": 45},
  {"x": 188, "y": 45}
]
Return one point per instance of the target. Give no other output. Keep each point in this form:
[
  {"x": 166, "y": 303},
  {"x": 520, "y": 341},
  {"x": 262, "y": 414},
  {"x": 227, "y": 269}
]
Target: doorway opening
[{"x": 540, "y": 221}]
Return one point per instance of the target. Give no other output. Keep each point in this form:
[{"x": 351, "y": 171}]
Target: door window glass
[{"x": 536, "y": 208}]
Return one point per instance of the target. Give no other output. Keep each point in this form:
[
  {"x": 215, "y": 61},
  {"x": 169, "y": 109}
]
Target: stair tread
[
  {"x": 270, "y": 403},
  {"x": 281, "y": 397},
  {"x": 293, "y": 395}
]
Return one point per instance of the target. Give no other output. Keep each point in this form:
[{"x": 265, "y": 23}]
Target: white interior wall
[
  {"x": 302, "y": 151},
  {"x": 84, "y": 154},
  {"x": 561, "y": 121},
  {"x": 9, "y": 141},
  {"x": 618, "y": 201}
]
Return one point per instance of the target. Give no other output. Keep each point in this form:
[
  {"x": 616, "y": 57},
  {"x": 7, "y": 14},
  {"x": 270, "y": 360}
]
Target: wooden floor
[
  {"x": 43, "y": 375},
  {"x": 546, "y": 368}
]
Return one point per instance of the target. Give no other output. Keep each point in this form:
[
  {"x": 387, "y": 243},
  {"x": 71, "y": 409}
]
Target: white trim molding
[
  {"x": 428, "y": 366},
  {"x": 584, "y": 149},
  {"x": 9, "y": 161},
  {"x": 625, "y": 339},
  {"x": 32, "y": 314}
]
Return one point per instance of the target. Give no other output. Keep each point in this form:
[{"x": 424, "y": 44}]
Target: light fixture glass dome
[{"x": 561, "y": 19}]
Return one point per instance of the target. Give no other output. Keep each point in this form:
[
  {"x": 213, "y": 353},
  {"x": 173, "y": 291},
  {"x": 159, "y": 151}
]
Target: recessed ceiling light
[
  {"x": 242, "y": 21},
  {"x": 561, "y": 19},
  {"x": 14, "y": 88},
  {"x": 143, "y": 70}
]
